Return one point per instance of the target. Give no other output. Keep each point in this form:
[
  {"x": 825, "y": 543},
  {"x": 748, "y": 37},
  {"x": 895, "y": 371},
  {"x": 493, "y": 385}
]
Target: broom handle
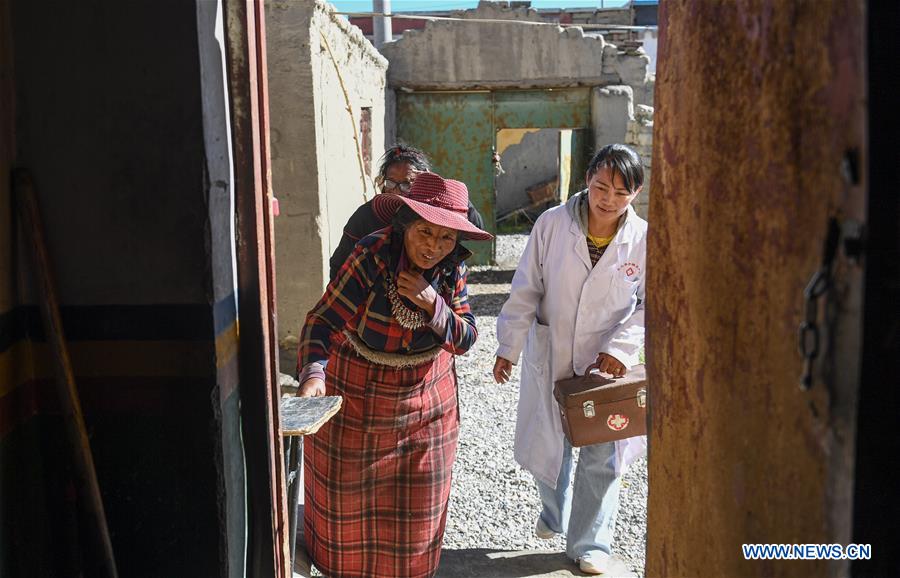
[{"x": 88, "y": 487}]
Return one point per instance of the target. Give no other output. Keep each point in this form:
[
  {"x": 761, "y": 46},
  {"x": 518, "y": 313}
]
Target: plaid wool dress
[{"x": 377, "y": 477}]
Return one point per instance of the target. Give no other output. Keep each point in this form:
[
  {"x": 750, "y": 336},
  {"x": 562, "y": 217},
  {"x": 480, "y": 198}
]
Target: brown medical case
[{"x": 597, "y": 409}]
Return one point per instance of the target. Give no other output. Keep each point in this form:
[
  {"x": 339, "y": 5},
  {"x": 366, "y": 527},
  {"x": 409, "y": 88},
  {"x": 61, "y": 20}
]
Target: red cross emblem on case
[{"x": 617, "y": 422}]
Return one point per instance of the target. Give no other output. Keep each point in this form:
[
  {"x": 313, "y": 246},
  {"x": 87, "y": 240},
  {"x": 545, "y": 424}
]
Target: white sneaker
[
  {"x": 593, "y": 564},
  {"x": 608, "y": 565},
  {"x": 542, "y": 531}
]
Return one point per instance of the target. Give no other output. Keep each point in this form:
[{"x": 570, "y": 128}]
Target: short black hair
[
  {"x": 403, "y": 153},
  {"x": 621, "y": 159}
]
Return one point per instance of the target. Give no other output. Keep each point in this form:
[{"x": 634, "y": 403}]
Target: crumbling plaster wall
[
  {"x": 521, "y": 53},
  {"x": 316, "y": 171},
  {"x": 639, "y": 136},
  {"x": 616, "y": 119},
  {"x": 489, "y": 10},
  {"x": 457, "y": 55}
]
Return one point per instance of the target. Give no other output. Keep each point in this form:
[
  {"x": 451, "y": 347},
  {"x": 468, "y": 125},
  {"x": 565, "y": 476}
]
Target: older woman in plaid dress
[{"x": 389, "y": 325}]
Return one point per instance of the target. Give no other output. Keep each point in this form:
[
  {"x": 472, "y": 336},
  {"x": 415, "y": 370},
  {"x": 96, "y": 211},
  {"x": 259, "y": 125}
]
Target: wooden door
[{"x": 758, "y": 154}]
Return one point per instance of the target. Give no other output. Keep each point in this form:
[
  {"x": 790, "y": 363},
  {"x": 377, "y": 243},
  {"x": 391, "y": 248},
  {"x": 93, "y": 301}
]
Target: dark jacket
[{"x": 364, "y": 222}]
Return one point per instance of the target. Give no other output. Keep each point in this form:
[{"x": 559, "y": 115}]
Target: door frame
[{"x": 245, "y": 46}]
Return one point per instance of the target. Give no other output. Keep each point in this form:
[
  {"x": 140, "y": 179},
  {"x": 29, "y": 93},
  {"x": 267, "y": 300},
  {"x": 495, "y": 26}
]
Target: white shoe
[
  {"x": 593, "y": 564},
  {"x": 542, "y": 531},
  {"x": 606, "y": 565}
]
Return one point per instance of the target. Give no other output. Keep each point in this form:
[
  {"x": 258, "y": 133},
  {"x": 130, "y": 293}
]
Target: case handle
[{"x": 596, "y": 366}]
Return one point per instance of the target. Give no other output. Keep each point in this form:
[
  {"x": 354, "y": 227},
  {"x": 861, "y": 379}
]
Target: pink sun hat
[{"x": 440, "y": 201}]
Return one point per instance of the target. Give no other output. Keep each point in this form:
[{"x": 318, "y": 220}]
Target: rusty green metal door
[
  {"x": 455, "y": 130},
  {"x": 458, "y": 131},
  {"x": 549, "y": 108},
  {"x": 574, "y": 156}
]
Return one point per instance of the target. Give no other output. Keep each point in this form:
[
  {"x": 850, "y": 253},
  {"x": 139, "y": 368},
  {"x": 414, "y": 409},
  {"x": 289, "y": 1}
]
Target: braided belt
[{"x": 390, "y": 359}]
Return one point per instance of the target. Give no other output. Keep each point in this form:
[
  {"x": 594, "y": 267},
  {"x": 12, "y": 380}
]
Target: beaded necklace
[{"x": 406, "y": 317}]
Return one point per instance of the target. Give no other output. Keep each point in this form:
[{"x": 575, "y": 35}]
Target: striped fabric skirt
[{"x": 377, "y": 476}]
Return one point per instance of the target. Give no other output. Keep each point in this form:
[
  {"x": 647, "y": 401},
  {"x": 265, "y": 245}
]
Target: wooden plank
[
  {"x": 302, "y": 416},
  {"x": 86, "y": 475}
]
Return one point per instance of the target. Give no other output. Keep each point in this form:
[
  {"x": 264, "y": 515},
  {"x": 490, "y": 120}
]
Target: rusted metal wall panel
[
  {"x": 555, "y": 108},
  {"x": 758, "y": 103},
  {"x": 456, "y": 131},
  {"x": 582, "y": 140}
]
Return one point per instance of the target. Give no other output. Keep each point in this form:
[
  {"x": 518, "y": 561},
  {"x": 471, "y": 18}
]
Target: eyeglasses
[{"x": 390, "y": 185}]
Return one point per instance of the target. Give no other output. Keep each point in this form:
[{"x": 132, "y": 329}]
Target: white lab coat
[{"x": 562, "y": 312}]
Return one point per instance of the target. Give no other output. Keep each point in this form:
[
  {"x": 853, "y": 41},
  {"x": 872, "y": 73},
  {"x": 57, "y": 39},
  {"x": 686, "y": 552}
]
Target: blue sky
[{"x": 404, "y": 5}]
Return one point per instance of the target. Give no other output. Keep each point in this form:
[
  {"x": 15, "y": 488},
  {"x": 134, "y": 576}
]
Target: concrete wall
[
  {"x": 315, "y": 170},
  {"x": 521, "y": 53},
  {"x": 362, "y": 70},
  {"x": 489, "y": 10},
  {"x": 453, "y": 55},
  {"x": 612, "y": 108},
  {"x": 631, "y": 67},
  {"x": 501, "y": 10},
  {"x": 616, "y": 16},
  {"x": 639, "y": 136},
  {"x": 127, "y": 139},
  {"x": 533, "y": 160},
  {"x": 616, "y": 119}
]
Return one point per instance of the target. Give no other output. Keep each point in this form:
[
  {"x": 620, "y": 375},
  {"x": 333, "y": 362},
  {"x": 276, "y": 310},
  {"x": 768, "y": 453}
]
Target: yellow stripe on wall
[{"x": 27, "y": 360}]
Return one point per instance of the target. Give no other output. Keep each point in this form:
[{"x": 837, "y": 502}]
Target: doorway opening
[{"x": 535, "y": 169}]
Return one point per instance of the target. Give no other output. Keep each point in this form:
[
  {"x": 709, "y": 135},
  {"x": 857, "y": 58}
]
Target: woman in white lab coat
[{"x": 577, "y": 298}]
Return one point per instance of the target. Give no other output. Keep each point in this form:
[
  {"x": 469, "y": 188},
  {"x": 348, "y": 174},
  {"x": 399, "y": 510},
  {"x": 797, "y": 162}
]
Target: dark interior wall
[
  {"x": 7, "y": 151},
  {"x": 22, "y": 515},
  {"x": 876, "y": 507},
  {"x": 111, "y": 122}
]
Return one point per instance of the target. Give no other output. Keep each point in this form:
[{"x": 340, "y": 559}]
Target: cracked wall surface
[{"x": 316, "y": 172}]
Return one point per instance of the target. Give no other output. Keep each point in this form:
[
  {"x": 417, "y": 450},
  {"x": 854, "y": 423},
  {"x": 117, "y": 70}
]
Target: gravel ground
[{"x": 493, "y": 502}]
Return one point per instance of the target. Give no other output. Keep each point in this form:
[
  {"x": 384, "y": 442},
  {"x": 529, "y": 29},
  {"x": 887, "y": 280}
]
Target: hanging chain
[{"x": 818, "y": 286}]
